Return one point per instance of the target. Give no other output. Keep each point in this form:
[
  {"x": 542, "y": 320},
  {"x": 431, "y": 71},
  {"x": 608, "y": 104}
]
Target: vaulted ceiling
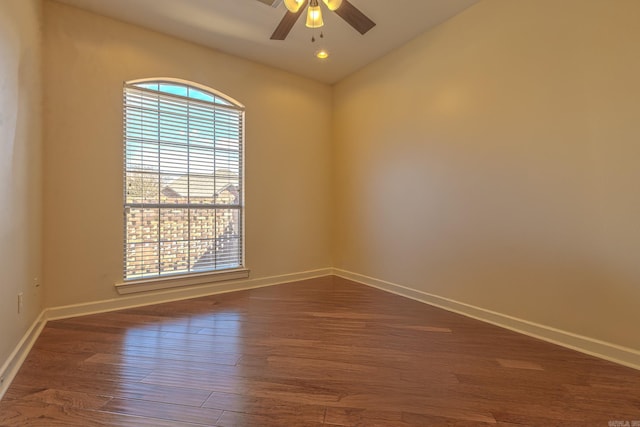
[{"x": 243, "y": 28}]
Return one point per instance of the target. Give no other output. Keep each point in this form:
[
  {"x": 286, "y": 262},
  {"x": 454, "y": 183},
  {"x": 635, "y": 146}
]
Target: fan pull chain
[{"x": 313, "y": 38}]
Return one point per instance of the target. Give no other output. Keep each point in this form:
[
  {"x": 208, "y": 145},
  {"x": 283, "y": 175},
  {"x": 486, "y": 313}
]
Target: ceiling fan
[{"x": 343, "y": 8}]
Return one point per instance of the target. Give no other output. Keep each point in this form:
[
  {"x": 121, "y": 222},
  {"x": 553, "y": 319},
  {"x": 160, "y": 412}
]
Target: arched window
[{"x": 183, "y": 158}]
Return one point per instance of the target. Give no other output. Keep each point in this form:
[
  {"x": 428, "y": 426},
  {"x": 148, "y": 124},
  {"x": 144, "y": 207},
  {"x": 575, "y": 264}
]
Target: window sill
[{"x": 157, "y": 283}]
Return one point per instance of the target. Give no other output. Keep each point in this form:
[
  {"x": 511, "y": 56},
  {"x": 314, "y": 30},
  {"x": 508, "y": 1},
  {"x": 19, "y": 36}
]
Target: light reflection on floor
[{"x": 203, "y": 348}]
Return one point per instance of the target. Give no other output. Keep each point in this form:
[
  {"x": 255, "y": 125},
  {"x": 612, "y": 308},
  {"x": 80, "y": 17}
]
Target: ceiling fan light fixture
[
  {"x": 293, "y": 5},
  {"x": 333, "y": 5},
  {"x": 322, "y": 54},
  {"x": 314, "y": 17}
]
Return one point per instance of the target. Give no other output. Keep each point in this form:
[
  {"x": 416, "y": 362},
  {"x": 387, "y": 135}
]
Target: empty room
[{"x": 319, "y": 212}]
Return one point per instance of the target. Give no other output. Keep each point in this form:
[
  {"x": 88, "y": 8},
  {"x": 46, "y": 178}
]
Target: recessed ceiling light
[{"x": 322, "y": 54}]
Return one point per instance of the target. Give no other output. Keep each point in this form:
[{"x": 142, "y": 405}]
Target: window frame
[{"x": 184, "y": 278}]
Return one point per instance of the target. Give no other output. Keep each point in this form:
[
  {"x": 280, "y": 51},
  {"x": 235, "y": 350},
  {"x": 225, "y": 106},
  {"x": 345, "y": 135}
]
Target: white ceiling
[{"x": 244, "y": 27}]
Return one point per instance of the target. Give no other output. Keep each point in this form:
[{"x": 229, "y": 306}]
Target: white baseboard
[
  {"x": 601, "y": 349},
  {"x": 12, "y": 365},
  {"x": 139, "y": 300}
]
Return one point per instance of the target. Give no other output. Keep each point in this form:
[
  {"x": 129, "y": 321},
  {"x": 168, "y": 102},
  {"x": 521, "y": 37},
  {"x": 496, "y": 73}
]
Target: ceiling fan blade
[
  {"x": 283, "y": 28},
  {"x": 272, "y": 3},
  {"x": 354, "y": 17}
]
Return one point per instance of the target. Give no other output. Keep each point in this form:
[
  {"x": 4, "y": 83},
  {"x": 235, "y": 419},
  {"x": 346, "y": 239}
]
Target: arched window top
[{"x": 186, "y": 89}]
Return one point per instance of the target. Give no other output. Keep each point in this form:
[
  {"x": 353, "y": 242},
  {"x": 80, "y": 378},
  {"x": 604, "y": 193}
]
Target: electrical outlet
[
  {"x": 20, "y": 302},
  {"x": 36, "y": 282}
]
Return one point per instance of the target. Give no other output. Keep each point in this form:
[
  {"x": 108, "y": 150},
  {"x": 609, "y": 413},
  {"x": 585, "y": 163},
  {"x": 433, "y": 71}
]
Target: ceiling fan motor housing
[
  {"x": 295, "y": 5},
  {"x": 343, "y": 8}
]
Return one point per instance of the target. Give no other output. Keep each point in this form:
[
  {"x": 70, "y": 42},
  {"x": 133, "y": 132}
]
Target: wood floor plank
[
  {"x": 520, "y": 364},
  {"x": 164, "y": 411},
  {"x": 325, "y": 351},
  {"x": 31, "y": 413},
  {"x": 260, "y": 405},
  {"x": 69, "y": 399},
  {"x": 268, "y": 419},
  {"x": 184, "y": 396},
  {"x": 351, "y": 417}
]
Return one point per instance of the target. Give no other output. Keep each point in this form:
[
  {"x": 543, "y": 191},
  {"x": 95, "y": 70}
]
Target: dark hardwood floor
[{"x": 320, "y": 352}]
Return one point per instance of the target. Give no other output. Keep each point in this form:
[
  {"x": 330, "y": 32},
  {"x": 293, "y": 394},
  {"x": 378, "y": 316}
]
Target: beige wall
[
  {"x": 20, "y": 168},
  {"x": 87, "y": 58},
  {"x": 496, "y": 161}
]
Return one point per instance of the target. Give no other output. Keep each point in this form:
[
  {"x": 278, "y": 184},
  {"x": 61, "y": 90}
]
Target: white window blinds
[{"x": 183, "y": 180}]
